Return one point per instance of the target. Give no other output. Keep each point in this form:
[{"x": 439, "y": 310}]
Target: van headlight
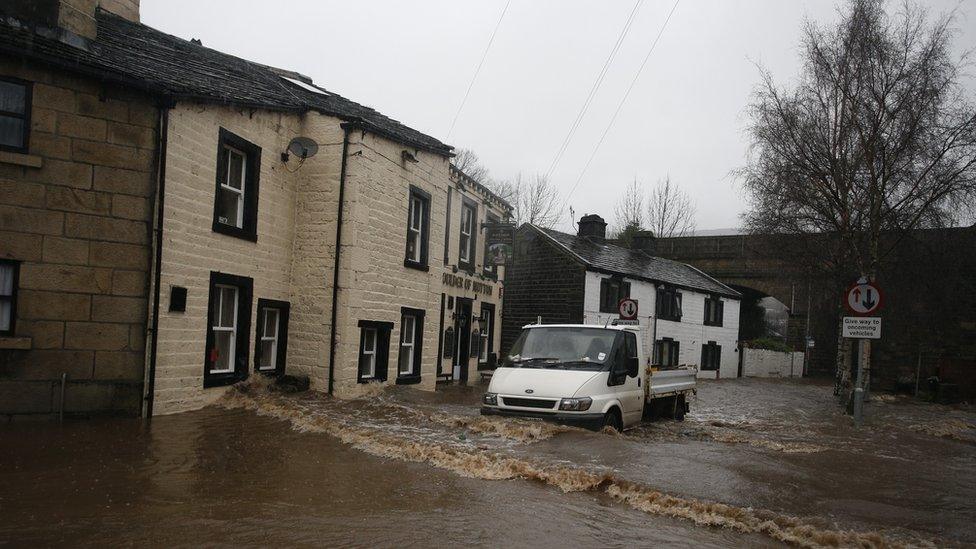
[
  {"x": 575, "y": 404},
  {"x": 491, "y": 399}
]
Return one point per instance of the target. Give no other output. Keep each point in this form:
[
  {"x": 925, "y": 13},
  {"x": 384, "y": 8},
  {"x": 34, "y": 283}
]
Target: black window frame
[
  {"x": 711, "y": 357},
  {"x": 26, "y": 116},
  {"x": 418, "y": 345},
  {"x": 473, "y": 244},
  {"x": 252, "y": 180},
  {"x": 667, "y": 304},
  {"x": 424, "y": 263},
  {"x": 487, "y": 311},
  {"x": 490, "y": 270},
  {"x": 714, "y": 311},
  {"x": 674, "y": 352},
  {"x": 612, "y": 290},
  {"x": 284, "y": 311},
  {"x": 12, "y": 298},
  {"x": 383, "y": 330},
  {"x": 245, "y": 292}
]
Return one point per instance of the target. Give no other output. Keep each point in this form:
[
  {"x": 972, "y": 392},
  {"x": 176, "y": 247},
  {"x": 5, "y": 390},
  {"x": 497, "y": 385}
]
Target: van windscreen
[{"x": 562, "y": 347}]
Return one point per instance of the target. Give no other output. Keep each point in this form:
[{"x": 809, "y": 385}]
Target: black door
[{"x": 462, "y": 331}]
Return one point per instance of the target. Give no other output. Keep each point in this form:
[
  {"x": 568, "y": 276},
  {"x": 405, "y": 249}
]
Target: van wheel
[
  {"x": 612, "y": 419},
  {"x": 679, "y": 408}
]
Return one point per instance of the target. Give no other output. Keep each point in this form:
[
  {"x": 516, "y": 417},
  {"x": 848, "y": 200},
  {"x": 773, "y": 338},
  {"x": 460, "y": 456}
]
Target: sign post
[{"x": 863, "y": 298}]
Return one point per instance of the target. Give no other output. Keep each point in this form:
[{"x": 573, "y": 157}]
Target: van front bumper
[{"x": 586, "y": 421}]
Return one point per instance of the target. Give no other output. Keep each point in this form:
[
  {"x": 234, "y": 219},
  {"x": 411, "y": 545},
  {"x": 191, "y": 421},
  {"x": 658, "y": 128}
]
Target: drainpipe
[
  {"x": 346, "y": 128},
  {"x": 150, "y": 382}
]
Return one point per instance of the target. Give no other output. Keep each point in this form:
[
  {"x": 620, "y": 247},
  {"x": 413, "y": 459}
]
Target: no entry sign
[{"x": 863, "y": 297}]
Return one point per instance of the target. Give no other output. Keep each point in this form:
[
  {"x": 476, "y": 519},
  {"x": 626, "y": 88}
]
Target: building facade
[
  {"x": 77, "y": 170},
  {"x": 686, "y": 317},
  {"x": 247, "y": 220}
]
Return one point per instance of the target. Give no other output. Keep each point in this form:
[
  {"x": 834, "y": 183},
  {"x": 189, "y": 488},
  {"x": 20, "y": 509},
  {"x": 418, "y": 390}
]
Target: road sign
[
  {"x": 627, "y": 308},
  {"x": 623, "y": 322},
  {"x": 863, "y": 297},
  {"x": 862, "y": 327}
]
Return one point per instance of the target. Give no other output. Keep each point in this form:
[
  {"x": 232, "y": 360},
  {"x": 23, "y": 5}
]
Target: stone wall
[
  {"x": 544, "y": 280},
  {"x": 75, "y": 212}
]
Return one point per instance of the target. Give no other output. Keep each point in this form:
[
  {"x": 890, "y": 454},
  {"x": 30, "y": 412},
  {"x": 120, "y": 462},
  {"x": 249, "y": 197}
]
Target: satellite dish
[{"x": 303, "y": 147}]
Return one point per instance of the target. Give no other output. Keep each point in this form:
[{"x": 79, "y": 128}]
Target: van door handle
[{"x": 638, "y": 382}]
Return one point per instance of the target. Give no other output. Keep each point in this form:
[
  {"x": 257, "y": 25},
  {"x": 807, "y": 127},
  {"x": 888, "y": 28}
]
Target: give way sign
[{"x": 863, "y": 297}]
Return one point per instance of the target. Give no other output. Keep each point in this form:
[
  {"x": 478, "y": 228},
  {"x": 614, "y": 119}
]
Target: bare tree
[
  {"x": 534, "y": 201},
  {"x": 876, "y": 139},
  {"x": 628, "y": 213},
  {"x": 670, "y": 211},
  {"x": 468, "y": 162}
]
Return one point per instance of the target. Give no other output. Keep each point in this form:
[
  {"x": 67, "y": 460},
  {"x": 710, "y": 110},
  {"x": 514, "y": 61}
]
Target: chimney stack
[
  {"x": 70, "y": 21},
  {"x": 644, "y": 241},
  {"x": 593, "y": 227}
]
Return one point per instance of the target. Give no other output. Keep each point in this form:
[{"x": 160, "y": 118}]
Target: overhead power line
[
  {"x": 478, "y": 70},
  {"x": 622, "y": 100},
  {"x": 593, "y": 89}
]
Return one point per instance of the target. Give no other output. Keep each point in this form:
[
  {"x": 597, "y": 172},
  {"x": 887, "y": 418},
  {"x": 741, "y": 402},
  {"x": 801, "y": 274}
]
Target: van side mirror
[{"x": 633, "y": 366}]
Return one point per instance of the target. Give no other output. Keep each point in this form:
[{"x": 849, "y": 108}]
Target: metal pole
[
  {"x": 64, "y": 382},
  {"x": 858, "y": 387},
  {"x": 918, "y": 369}
]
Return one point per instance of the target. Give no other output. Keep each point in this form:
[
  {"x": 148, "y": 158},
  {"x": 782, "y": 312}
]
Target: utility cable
[
  {"x": 622, "y": 101},
  {"x": 593, "y": 90},
  {"x": 477, "y": 70}
]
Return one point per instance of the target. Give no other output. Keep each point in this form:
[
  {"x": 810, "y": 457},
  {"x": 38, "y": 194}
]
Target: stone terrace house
[
  {"x": 77, "y": 175},
  {"x": 686, "y": 316},
  {"x": 240, "y": 237}
]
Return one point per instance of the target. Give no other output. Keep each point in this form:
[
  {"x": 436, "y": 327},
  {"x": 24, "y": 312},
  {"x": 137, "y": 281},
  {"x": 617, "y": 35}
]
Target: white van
[{"x": 584, "y": 375}]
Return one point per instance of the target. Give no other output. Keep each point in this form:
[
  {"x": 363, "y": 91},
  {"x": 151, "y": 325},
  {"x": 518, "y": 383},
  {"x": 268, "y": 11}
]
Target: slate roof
[
  {"x": 140, "y": 56},
  {"x": 615, "y": 259}
]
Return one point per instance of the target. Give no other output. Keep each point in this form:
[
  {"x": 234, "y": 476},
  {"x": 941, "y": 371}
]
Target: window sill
[
  {"x": 221, "y": 380},
  {"x": 21, "y": 159},
  {"x": 15, "y": 343},
  {"x": 242, "y": 234},
  {"x": 415, "y": 265},
  {"x": 408, "y": 380}
]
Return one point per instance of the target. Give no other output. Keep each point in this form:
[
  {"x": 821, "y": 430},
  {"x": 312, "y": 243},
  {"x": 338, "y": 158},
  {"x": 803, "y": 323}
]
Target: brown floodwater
[{"x": 757, "y": 463}]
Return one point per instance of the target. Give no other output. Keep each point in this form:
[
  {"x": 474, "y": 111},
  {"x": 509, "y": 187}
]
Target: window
[
  {"x": 612, "y": 290},
  {"x": 626, "y": 349},
  {"x": 411, "y": 345},
  {"x": 447, "y": 223},
  {"x": 668, "y": 304},
  {"x": 9, "y": 272},
  {"x": 15, "y": 109},
  {"x": 374, "y": 350},
  {"x": 667, "y": 352},
  {"x": 468, "y": 236},
  {"x": 490, "y": 269},
  {"x": 272, "y": 336},
  {"x": 487, "y": 325},
  {"x": 228, "y": 323},
  {"x": 418, "y": 229},
  {"x": 236, "y": 200},
  {"x": 714, "y": 311},
  {"x": 711, "y": 358}
]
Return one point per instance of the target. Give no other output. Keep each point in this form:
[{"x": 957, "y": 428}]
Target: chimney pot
[{"x": 593, "y": 227}]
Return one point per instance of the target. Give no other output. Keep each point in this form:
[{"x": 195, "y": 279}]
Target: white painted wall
[
  {"x": 690, "y": 332},
  {"x": 765, "y": 363}
]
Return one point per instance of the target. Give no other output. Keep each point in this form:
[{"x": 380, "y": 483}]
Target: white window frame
[
  {"x": 227, "y": 187},
  {"x": 371, "y": 353},
  {"x": 232, "y": 352},
  {"x": 467, "y": 222},
  {"x": 270, "y": 340},
  {"x": 415, "y": 229},
  {"x": 407, "y": 345},
  {"x": 486, "y": 328}
]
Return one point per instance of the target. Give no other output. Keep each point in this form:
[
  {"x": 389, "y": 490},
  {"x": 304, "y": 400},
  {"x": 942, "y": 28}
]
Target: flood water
[{"x": 756, "y": 463}]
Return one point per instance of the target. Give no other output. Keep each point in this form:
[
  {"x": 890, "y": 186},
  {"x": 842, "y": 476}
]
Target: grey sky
[{"x": 413, "y": 61}]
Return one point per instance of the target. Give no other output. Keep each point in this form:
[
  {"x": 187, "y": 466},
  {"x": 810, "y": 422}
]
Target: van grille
[{"x": 529, "y": 402}]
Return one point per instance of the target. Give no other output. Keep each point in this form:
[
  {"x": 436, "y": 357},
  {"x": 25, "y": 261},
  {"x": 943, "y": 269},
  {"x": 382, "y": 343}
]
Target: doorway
[{"x": 462, "y": 331}]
